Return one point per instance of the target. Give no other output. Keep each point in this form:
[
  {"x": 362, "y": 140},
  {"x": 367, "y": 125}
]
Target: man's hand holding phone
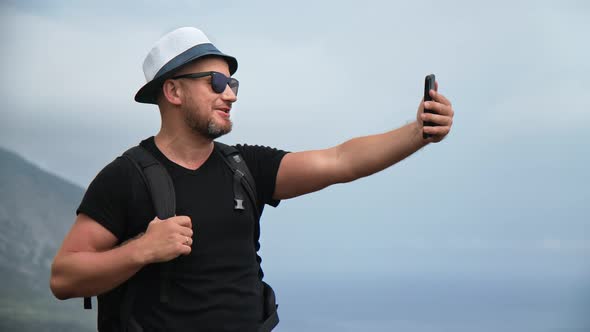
[{"x": 435, "y": 113}]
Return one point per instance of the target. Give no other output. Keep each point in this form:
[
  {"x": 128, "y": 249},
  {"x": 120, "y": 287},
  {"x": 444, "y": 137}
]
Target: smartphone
[{"x": 428, "y": 85}]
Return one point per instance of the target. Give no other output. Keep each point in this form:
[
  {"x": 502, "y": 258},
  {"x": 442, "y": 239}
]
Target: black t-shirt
[{"x": 217, "y": 286}]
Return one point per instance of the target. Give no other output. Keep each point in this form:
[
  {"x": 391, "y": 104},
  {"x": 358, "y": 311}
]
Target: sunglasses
[{"x": 218, "y": 80}]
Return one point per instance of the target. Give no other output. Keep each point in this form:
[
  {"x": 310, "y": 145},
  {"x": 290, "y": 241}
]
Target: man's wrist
[
  {"x": 417, "y": 134},
  {"x": 138, "y": 253}
]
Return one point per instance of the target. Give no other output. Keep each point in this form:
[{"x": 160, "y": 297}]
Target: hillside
[{"x": 36, "y": 211}]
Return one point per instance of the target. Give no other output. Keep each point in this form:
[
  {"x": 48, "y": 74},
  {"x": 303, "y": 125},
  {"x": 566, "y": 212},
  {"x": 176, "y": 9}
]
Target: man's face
[{"x": 205, "y": 111}]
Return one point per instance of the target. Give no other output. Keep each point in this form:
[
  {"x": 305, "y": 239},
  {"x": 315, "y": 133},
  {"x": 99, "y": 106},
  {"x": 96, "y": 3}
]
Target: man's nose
[{"x": 229, "y": 95}]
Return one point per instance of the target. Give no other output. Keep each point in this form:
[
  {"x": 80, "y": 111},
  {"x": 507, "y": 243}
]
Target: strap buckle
[{"x": 239, "y": 204}]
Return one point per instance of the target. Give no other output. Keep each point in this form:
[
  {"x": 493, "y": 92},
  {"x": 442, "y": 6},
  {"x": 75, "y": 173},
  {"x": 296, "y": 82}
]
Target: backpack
[{"x": 161, "y": 189}]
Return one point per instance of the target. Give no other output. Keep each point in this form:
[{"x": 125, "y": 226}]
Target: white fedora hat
[{"x": 171, "y": 52}]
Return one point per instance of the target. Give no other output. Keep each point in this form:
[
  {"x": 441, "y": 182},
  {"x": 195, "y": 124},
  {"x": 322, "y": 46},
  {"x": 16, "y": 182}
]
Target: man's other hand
[{"x": 167, "y": 239}]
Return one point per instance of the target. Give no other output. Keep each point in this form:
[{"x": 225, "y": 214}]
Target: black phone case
[{"x": 428, "y": 85}]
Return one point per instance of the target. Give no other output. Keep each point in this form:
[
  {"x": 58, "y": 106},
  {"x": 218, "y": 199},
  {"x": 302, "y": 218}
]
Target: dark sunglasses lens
[
  {"x": 219, "y": 83},
  {"x": 234, "y": 85}
]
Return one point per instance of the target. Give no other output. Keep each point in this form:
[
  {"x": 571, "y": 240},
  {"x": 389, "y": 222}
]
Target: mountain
[{"x": 36, "y": 211}]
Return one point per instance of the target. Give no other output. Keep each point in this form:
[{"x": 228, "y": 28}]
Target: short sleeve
[
  {"x": 107, "y": 197},
  {"x": 263, "y": 162}
]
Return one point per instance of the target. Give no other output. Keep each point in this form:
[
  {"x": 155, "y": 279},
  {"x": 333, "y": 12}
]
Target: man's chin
[{"x": 216, "y": 130}]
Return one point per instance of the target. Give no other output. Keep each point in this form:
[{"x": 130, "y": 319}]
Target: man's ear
[{"x": 172, "y": 92}]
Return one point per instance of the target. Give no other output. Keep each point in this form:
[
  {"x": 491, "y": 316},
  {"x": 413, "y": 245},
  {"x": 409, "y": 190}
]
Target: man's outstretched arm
[{"x": 304, "y": 172}]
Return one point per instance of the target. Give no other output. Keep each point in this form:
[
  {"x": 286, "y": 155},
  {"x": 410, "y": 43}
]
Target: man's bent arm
[
  {"x": 88, "y": 263},
  {"x": 304, "y": 172}
]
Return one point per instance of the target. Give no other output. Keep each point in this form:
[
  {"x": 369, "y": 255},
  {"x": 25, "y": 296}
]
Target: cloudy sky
[{"x": 504, "y": 196}]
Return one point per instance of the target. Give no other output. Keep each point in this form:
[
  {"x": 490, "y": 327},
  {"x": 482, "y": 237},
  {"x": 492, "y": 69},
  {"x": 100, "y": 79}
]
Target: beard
[
  {"x": 215, "y": 130},
  {"x": 204, "y": 125}
]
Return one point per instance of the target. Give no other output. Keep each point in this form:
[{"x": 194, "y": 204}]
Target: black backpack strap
[
  {"x": 161, "y": 189},
  {"x": 242, "y": 177},
  {"x": 157, "y": 181}
]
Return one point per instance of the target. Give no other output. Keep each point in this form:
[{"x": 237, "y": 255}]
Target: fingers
[
  {"x": 182, "y": 221},
  {"x": 185, "y": 245},
  {"x": 439, "y": 131},
  {"x": 179, "y": 224},
  {"x": 440, "y": 120},
  {"x": 185, "y": 232},
  {"x": 179, "y": 227},
  {"x": 441, "y": 128},
  {"x": 186, "y": 225},
  {"x": 182, "y": 225},
  {"x": 439, "y": 108},
  {"x": 185, "y": 240},
  {"x": 439, "y": 112},
  {"x": 184, "y": 250},
  {"x": 180, "y": 245},
  {"x": 438, "y": 97},
  {"x": 167, "y": 239}
]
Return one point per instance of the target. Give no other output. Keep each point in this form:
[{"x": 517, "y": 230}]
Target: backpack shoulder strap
[
  {"x": 242, "y": 173},
  {"x": 161, "y": 190},
  {"x": 242, "y": 177},
  {"x": 157, "y": 181}
]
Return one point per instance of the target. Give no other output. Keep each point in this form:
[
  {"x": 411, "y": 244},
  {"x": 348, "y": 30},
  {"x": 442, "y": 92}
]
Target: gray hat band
[{"x": 187, "y": 56}]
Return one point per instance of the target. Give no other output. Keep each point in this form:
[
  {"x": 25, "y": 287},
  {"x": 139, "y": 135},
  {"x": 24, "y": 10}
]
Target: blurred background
[{"x": 485, "y": 231}]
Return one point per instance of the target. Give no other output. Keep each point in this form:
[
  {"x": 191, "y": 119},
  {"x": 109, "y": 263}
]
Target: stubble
[{"x": 203, "y": 124}]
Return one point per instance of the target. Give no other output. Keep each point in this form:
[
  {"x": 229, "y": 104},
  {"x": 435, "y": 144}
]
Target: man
[{"x": 214, "y": 279}]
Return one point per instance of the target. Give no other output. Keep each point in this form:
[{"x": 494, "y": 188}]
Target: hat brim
[{"x": 148, "y": 93}]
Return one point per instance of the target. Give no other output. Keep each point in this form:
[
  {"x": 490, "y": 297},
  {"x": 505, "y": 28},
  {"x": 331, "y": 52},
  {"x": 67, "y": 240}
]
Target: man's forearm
[
  {"x": 370, "y": 154},
  {"x": 79, "y": 274}
]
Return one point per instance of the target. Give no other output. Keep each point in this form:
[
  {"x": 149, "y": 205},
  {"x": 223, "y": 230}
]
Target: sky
[{"x": 504, "y": 197}]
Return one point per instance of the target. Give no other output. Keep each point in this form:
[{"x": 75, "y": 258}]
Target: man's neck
[{"x": 188, "y": 150}]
